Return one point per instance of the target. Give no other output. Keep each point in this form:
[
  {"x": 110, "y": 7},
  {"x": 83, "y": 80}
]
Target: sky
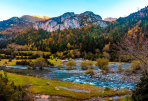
[{"x": 53, "y": 8}]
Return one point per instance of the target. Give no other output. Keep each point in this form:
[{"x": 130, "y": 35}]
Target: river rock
[
  {"x": 110, "y": 99},
  {"x": 37, "y": 97},
  {"x": 115, "y": 88},
  {"x": 42, "y": 99},
  {"x": 48, "y": 83}
]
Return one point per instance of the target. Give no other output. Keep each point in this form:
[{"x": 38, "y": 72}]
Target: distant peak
[
  {"x": 110, "y": 19},
  {"x": 88, "y": 12},
  {"x": 69, "y": 14},
  {"x": 43, "y": 17}
]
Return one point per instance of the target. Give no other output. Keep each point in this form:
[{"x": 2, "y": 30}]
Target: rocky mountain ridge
[{"x": 70, "y": 20}]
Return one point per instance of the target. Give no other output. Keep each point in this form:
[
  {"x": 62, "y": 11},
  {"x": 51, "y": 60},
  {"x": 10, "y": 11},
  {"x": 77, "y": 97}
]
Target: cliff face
[{"x": 70, "y": 20}]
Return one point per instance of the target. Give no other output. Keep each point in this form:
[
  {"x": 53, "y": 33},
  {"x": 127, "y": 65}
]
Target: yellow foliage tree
[{"x": 68, "y": 45}]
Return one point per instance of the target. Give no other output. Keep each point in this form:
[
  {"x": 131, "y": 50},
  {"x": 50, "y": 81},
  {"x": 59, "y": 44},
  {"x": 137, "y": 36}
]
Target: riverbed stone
[
  {"x": 37, "y": 97},
  {"x": 42, "y": 99},
  {"x": 115, "y": 88},
  {"x": 110, "y": 99},
  {"x": 48, "y": 83}
]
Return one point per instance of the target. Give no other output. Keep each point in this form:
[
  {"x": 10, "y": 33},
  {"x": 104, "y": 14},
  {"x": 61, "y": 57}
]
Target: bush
[
  {"x": 5, "y": 62},
  {"x": 102, "y": 63},
  {"x": 70, "y": 65},
  {"x": 29, "y": 68},
  {"x": 84, "y": 65},
  {"x": 0, "y": 59},
  {"x": 40, "y": 63},
  {"x": 10, "y": 92},
  {"x": 59, "y": 68},
  {"x": 135, "y": 65},
  {"x": 105, "y": 67},
  {"x": 90, "y": 63},
  {"x": 69, "y": 68},
  {"x": 22, "y": 63},
  {"x": 140, "y": 93},
  {"x": 90, "y": 71},
  {"x": 10, "y": 60},
  {"x": 120, "y": 68},
  {"x": 106, "y": 89}
]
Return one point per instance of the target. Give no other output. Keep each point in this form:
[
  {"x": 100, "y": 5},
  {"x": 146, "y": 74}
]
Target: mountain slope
[
  {"x": 16, "y": 24},
  {"x": 34, "y": 18},
  {"x": 70, "y": 20},
  {"x": 121, "y": 26}
]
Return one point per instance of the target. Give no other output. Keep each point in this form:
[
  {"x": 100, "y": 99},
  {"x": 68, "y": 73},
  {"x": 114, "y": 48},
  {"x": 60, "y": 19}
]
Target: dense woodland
[{"x": 89, "y": 42}]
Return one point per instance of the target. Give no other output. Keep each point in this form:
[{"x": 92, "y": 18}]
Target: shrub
[
  {"x": 23, "y": 62},
  {"x": 135, "y": 65},
  {"x": 10, "y": 60},
  {"x": 28, "y": 67},
  {"x": 140, "y": 93},
  {"x": 90, "y": 63},
  {"x": 84, "y": 65},
  {"x": 120, "y": 68},
  {"x": 90, "y": 71},
  {"x": 106, "y": 89},
  {"x": 102, "y": 62},
  {"x": 5, "y": 62},
  {"x": 69, "y": 68},
  {"x": 40, "y": 63},
  {"x": 70, "y": 65},
  {"x": 12, "y": 92},
  {"x": 105, "y": 67},
  {"x": 59, "y": 68},
  {"x": 0, "y": 59},
  {"x": 49, "y": 63}
]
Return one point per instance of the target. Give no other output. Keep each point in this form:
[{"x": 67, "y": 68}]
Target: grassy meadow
[{"x": 40, "y": 86}]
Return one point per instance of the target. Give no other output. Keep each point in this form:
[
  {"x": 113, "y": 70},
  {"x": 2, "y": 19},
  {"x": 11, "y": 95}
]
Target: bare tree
[{"x": 135, "y": 43}]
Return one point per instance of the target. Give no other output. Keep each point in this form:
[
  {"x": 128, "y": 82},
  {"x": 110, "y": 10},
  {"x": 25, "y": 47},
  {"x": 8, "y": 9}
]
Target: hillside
[
  {"x": 16, "y": 25},
  {"x": 34, "y": 18},
  {"x": 123, "y": 24}
]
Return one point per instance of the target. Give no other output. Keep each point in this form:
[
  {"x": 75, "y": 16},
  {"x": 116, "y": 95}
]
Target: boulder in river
[{"x": 115, "y": 88}]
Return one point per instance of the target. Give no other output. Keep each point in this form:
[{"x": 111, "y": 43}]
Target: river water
[{"x": 78, "y": 76}]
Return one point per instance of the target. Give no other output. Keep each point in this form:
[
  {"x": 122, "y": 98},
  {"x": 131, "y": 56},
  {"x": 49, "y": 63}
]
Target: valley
[{"x": 74, "y": 57}]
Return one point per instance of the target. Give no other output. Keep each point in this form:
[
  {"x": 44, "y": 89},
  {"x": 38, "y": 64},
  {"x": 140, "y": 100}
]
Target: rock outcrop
[
  {"x": 70, "y": 20},
  {"x": 110, "y": 19}
]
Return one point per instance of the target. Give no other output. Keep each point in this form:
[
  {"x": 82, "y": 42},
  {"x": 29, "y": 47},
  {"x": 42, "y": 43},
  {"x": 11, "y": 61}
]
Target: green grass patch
[{"x": 39, "y": 86}]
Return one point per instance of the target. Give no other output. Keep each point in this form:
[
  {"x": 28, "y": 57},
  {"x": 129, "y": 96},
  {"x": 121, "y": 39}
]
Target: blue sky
[{"x": 53, "y": 8}]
